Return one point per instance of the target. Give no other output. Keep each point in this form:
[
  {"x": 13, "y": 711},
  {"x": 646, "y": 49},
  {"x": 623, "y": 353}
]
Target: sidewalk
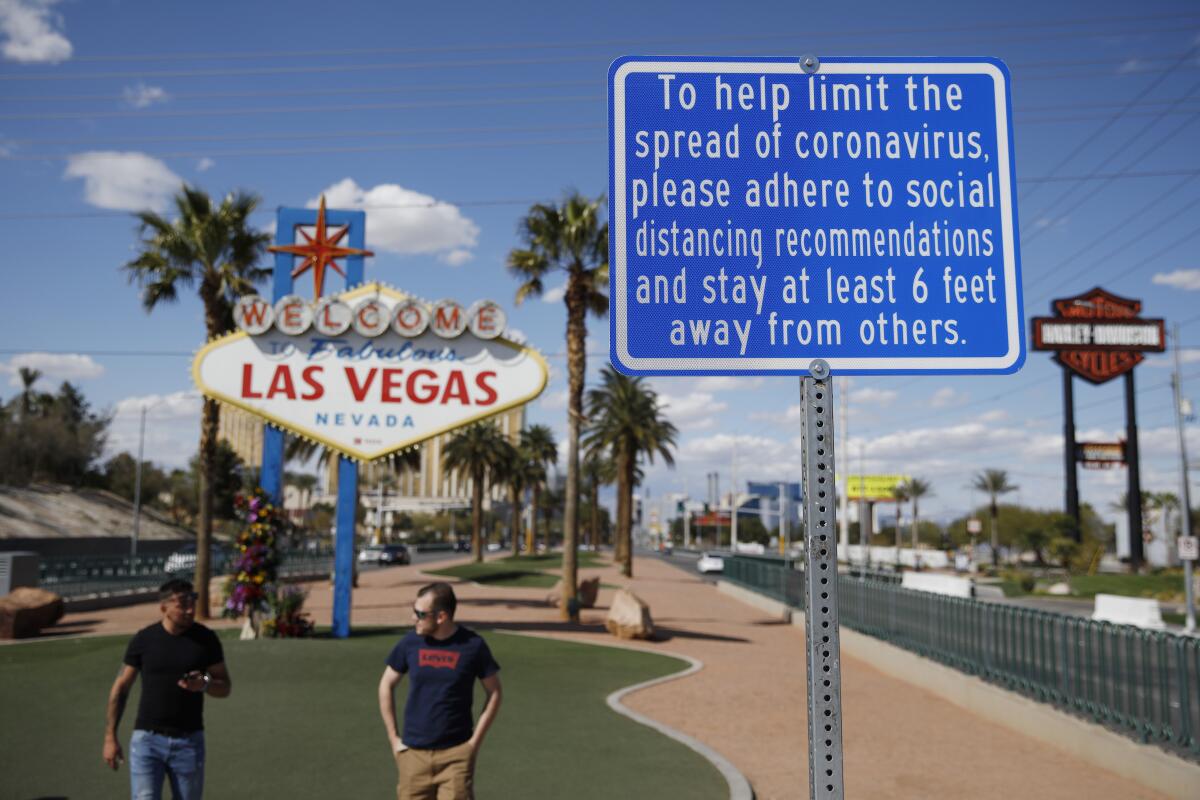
[{"x": 748, "y": 703}]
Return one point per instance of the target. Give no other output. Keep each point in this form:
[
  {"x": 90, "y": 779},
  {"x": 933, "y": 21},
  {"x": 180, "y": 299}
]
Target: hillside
[{"x": 43, "y": 511}]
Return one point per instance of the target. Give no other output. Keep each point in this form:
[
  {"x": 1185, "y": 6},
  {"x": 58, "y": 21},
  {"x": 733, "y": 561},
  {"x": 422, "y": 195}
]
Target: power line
[{"x": 544, "y": 45}]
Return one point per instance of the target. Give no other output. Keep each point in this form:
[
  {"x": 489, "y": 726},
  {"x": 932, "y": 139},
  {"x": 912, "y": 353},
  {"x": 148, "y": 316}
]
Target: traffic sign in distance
[
  {"x": 1189, "y": 548},
  {"x": 768, "y": 212}
]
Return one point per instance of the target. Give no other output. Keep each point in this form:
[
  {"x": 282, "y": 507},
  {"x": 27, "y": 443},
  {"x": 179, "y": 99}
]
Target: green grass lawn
[
  {"x": 518, "y": 571},
  {"x": 303, "y": 723},
  {"x": 1153, "y": 585}
]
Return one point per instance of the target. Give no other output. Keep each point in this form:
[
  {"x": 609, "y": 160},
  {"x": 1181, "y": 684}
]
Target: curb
[{"x": 739, "y": 786}]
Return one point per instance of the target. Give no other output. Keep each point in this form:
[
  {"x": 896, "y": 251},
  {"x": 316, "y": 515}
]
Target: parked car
[
  {"x": 462, "y": 546},
  {"x": 710, "y": 563},
  {"x": 384, "y": 554}
]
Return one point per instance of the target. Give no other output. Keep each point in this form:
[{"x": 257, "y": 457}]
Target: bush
[
  {"x": 1020, "y": 578},
  {"x": 1065, "y": 552}
]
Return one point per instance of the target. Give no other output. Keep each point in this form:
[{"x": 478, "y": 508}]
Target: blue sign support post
[
  {"x": 288, "y": 220},
  {"x": 793, "y": 216}
]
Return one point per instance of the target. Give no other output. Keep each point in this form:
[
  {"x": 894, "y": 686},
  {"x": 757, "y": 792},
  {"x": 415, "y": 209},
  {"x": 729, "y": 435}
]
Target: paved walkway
[{"x": 748, "y": 701}]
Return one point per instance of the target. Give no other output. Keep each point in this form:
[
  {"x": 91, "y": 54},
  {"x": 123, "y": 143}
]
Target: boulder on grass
[
  {"x": 26, "y": 610},
  {"x": 629, "y": 617},
  {"x": 587, "y": 592}
]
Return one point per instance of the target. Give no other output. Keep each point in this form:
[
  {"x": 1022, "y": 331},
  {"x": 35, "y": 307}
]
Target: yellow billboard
[{"x": 873, "y": 487}]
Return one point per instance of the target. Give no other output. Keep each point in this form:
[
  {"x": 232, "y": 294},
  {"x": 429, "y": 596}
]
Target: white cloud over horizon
[
  {"x": 31, "y": 31},
  {"x": 123, "y": 181},
  {"x": 407, "y": 222},
  {"x": 53, "y": 367}
]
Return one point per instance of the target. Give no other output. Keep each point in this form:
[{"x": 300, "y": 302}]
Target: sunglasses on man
[{"x": 419, "y": 614}]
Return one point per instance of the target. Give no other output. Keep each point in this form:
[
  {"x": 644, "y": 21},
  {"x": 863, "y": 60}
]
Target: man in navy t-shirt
[{"x": 436, "y": 752}]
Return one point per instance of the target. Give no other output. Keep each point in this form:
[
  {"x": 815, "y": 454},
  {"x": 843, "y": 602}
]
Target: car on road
[
  {"x": 384, "y": 554},
  {"x": 462, "y": 546},
  {"x": 709, "y": 562}
]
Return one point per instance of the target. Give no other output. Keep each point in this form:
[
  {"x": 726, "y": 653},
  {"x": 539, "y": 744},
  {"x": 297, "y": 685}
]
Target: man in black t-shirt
[
  {"x": 180, "y": 661},
  {"x": 436, "y": 753}
]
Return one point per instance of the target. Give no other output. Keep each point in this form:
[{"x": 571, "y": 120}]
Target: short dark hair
[
  {"x": 443, "y": 597},
  {"x": 173, "y": 587}
]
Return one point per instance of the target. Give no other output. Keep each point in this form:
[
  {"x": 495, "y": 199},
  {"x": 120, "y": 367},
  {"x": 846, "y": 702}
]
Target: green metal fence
[
  {"x": 84, "y": 576},
  {"x": 1145, "y": 684}
]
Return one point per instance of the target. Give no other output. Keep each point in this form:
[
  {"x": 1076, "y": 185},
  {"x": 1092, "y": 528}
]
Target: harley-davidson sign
[
  {"x": 1098, "y": 335},
  {"x": 370, "y": 371}
]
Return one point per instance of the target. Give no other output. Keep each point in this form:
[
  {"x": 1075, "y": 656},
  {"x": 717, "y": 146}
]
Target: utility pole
[
  {"x": 733, "y": 500},
  {"x": 783, "y": 520},
  {"x": 1185, "y": 490},
  {"x": 379, "y": 511},
  {"x": 137, "y": 494}
]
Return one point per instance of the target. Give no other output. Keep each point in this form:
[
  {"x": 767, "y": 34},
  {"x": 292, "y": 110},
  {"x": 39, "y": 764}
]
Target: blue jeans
[{"x": 181, "y": 759}]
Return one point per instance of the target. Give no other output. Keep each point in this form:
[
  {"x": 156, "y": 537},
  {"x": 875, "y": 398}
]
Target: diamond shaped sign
[{"x": 369, "y": 389}]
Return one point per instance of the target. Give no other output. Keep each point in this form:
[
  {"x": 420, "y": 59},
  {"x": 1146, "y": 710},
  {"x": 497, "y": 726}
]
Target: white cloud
[
  {"x": 554, "y": 294},
  {"x": 727, "y": 383},
  {"x": 30, "y": 31},
  {"x": 205, "y": 164},
  {"x": 177, "y": 405},
  {"x": 995, "y": 415},
  {"x": 1188, "y": 279},
  {"x": 53, "y": 366},
  {"x": 406, "y": 222},
  {"x": 869, "y": 395},
  {"x": 172, "y": 427},
  {"x": 945, "y": 397},
  {"x": 141, "y": 95},
  {"x": 553, "y": 401},
  {"x": 681, "y": 408},
  {"x": 123, "y": 181},
  {"x": 1131, "y": 65},
  {"x": 516, "y": 335}
]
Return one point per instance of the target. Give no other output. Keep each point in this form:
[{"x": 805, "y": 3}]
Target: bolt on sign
[
  {"x": 369, "y": 371},
  {"x": 1098, "y": 335},
  {"x": 1100, "y": 455}
]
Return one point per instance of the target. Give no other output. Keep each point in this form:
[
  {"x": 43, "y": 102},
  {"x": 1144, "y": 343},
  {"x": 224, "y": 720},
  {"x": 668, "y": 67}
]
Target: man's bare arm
[
  {"x": 491, "y": 685},
  {"x": 117, "y": 696},
  {"x": 219, "y": 682},
  {"x": 387, "y": 706}
]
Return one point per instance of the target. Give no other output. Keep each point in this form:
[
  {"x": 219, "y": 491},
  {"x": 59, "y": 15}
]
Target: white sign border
[{"x": 1009, "y": 362}]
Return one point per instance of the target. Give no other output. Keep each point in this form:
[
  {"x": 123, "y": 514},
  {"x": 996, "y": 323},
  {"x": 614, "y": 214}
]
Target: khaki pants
[{"x": 436, "y": 774}]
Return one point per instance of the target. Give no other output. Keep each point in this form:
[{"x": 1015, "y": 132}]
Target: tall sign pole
[
  {"x": 1100, "y": 336},
  {"x": 1070, "y": 456}
]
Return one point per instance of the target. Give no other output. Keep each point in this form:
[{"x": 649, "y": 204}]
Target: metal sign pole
[{"x": 823, "y": 648}]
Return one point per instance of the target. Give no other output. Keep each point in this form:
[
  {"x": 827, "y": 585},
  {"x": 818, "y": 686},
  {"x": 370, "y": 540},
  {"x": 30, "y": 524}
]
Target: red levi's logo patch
[{"x": 438, "y": 659}]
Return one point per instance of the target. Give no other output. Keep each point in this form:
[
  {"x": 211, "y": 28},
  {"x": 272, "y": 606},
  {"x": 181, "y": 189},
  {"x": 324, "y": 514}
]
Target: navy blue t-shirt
[{"x": 441, "y": 689}]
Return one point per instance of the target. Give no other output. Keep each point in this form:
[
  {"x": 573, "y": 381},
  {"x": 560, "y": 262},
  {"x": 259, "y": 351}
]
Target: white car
[{"x": 710, "y": 563}]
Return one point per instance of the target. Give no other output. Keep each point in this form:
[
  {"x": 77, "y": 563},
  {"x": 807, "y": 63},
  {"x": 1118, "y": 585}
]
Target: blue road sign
[{"x": 765, "y": 213}]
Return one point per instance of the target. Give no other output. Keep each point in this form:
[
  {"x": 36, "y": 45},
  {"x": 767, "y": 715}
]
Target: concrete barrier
[
  {"x": 904, "y": 556},
  {"x": 937, "y": 584},
  {"x": 1141, "y": 612}
]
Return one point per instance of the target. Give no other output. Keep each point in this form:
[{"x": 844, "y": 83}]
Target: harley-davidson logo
[{"x": 1098, "y": 335}]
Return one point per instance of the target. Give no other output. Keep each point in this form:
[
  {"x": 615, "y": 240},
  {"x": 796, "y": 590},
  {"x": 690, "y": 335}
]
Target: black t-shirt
[
  {"x": 163, "y": 659},
  {"x": 442, "y": 675}
]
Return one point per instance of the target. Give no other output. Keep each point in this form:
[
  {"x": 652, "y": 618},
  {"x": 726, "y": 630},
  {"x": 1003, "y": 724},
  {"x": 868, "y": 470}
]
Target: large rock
[
  {"x": 25, "y": 611},
  {"x": 587, "y": 592},
  {"x": 629, "y": 617}
]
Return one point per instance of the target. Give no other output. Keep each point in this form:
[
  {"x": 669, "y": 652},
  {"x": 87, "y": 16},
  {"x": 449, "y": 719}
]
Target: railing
[
  {"x": 83, "y": 576},
  {"x": 1145, "y": 684}
]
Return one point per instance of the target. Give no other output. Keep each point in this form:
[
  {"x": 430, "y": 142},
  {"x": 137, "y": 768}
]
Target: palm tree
[
  {"x": 476, "y": 452},
  {"x": 627, "y": 421},
  {"x": 916, "y": 489},
  {"x": 215, "y": 250},
  {"x": 29, "y": 377},
  {"x": 901, "y": 496},
  {"x": 537, "y": 442},
  {"x": 994, "y": 483},
  {"x": 570, "y": 239},
  {"x": 598, "y": 470},
  {"x": 519, "y": 471},
  {"x": 304, "y": 482}
]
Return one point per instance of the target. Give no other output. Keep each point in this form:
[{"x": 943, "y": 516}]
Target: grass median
[
  {"x": 303, "y": 722},
  {"x": 539, "y": 571}
]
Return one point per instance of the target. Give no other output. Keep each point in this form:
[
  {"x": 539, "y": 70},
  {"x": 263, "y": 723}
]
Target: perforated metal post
[{"x": 823, "y": 655}]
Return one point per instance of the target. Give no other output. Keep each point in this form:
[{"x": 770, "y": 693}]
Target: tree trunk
[
  {"x": 995, "y": 537},
  {"x": 477, "y": 515},
  {"x": 916, "y": 526},
  {"x": 576, "y": 370},
  {"x": 898, "y": 535},
  {"x": 531, "y": 534},
  {"x": 625, "y": 508},
  {"x": 209, "y": 422},
  {"x": 594, "y": 535},
  {"x": 515, "y": 533}
]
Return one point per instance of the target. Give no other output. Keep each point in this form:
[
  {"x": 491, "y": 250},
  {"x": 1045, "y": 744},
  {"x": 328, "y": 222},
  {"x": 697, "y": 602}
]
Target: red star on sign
[{"x": 320, "y": 250}]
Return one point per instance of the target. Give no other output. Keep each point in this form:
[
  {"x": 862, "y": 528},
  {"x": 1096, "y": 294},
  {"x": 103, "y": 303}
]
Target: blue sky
[{"x": 108, "y": 105}]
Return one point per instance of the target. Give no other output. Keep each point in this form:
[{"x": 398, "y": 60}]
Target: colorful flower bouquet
[
  {"x": 288, "y": 620},
  {"x": 251, "y": 587}
]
